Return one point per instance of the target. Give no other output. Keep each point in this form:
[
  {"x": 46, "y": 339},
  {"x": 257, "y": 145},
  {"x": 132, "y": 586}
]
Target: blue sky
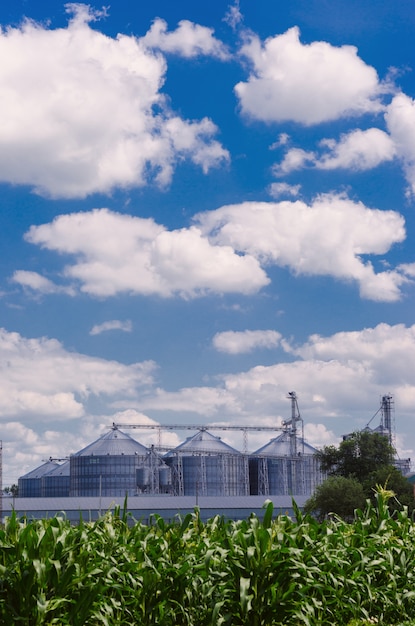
[{"x": 203, "y": 208}]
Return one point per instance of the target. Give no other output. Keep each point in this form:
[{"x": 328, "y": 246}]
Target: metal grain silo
[
  {"x": 108, "y": 466},
  {"x": 30, "y": 485},
  {"x": 204, "y": 465},
  {"x": 287, "y": 465},
  {"x": 55, "y": 484}
]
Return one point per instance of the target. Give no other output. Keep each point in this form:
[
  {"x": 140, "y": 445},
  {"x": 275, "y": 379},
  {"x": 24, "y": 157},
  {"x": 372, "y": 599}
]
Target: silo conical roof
[
  {"x": 281, "y": 446},
  {"x": 42, "y": 470},
  {"x": 62, "y": 469},
  {"x": 203, "y": 441},
  {"x": 113, "y": 443}
]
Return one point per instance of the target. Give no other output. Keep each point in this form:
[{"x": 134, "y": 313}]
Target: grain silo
[
  {"x": 30, "y": 485},
  {"x": 287, "y": 465},
  {"x": 108, "y": 466},
  {"x": 204, "y": 465},
  {"x": 55, "y": 484},
  {"x": 276, "y": 469}
]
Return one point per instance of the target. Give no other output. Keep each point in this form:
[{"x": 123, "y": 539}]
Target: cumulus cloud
[
  {"x": 329, "y": 238},
  {"x": 234, "y": 342},
  {"x": 400, "y": 119},
  {"x": 188, "y": 40},
  {"x": 149, "y": 433},
  {"x": 111, "y": 325},
  {"x": 408, "y": 269},
  {"x": 39, "y": 283},
  {"x": 357, "y": 150},
  {"x": 283, "y": 189},
  {"x": 305, "y": 83},
  {"x": 40, "y": 378},
  {"x": 83, "y": 112},
  {"x": 339, "y": 380},
  {"x": 379, "y": 350},
  {"x": 294, "y": 159},
  {"x": 120, "y": 253}
]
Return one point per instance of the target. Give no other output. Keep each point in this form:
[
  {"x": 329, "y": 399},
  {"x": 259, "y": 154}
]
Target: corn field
[{"x": 254, "y": 572}]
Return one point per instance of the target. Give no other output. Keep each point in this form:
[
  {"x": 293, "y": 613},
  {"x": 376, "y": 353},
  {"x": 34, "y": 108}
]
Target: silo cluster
[{"x": 203, "y": 465}]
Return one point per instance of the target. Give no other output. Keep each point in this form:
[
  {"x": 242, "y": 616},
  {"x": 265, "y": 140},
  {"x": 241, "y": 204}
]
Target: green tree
[
  {"x": 337, "y": 495},
  {"x": 355, "y": 467},
  {"x": 358, "y": 456}
]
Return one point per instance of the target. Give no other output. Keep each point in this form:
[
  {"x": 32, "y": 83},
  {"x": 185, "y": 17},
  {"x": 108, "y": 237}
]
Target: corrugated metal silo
[
  {"x": 56, "y": 483},
  {"x": 108, "y": 466},
  {"x": 285, "y": 466},
  {"x": 204, "y": 465},
  {"x": 30, "y": 485}
]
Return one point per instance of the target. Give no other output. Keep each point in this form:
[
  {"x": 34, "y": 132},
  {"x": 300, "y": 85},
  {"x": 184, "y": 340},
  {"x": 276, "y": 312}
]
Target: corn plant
[{"x": 259, "y": 572}]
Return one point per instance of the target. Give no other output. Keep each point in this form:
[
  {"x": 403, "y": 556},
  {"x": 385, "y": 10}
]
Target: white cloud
[
  {"x": 83, "y": 113},
  {"x": 384, "y": 356},
  {"x": 357, "y": 150},
  {"x": 318, "y": 435},
  {"x": 328, "y": 237},
  {"x": 305, "y": 83},
  {"x": 125, "y": 326},
  {"x": 40, "y": 378},
  {"x": 234, "y": 342},
  {"x": 294, "y": 159},
  {"x": 234, "y": 16},
  {"x": 283, "y": 139},
  {"x": 408, "y": 269},
  {"x": 188, "y": 40},
  {"x": 39, "y": 283},
  {"x": 378, "y": 350},
  {"x": 206, "y": 401},
  {"x": 120, "y": 253},
  {"x": 339, "y": 382},
  {"x": 283, "y": 189},
  {"x": 152, "y": 436},
  {"x": 400, "y": 119}
]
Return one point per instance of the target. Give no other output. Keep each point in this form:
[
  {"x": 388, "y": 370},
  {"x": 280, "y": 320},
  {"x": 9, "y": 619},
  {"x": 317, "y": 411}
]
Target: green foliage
[
  {"x": 361, "y": 462},
  {"x": 357, "y": 456},
  {"x": 338, "y": 495},
  {"x": 292, "y": 571},
  {"x": 394, "y": 480}
]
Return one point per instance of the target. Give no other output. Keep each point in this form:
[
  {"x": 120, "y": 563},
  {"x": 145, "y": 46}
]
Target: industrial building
[
  {"x": 203, "y": 465},
  {"x": 202, "y": 469}
]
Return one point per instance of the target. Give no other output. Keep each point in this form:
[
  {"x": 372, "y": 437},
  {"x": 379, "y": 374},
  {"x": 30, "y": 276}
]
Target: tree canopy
[
  {"x": 357, "y": 456},
  {"x": 337, "y": 495},
  {"x": 362, "y": 461}
]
